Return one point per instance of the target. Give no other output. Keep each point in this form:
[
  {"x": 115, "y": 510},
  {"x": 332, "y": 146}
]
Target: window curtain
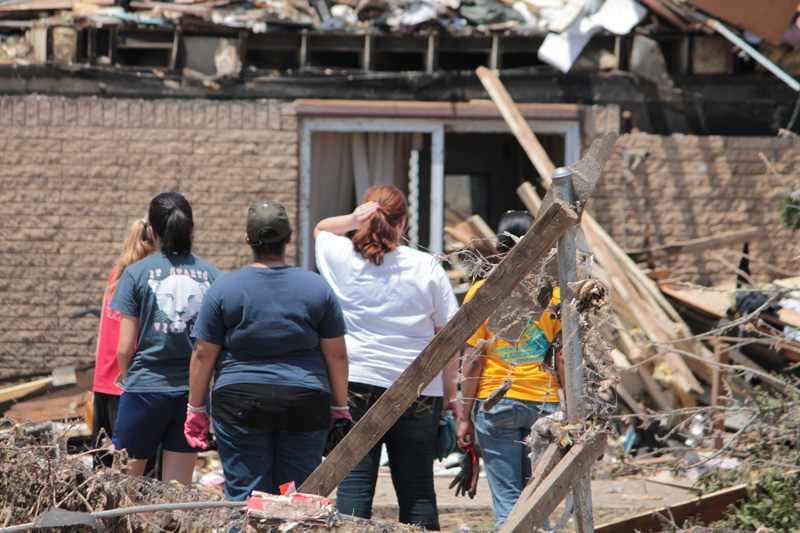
[{"x": 345, "y": 164}]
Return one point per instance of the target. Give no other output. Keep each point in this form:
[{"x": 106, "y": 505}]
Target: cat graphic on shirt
[{"x": 179, "y": 297}]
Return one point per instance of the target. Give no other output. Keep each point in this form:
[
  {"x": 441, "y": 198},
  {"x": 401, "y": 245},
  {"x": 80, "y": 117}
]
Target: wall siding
[
  {"x": 75, "y": 172},
  {"x": 690, "y": 187}
]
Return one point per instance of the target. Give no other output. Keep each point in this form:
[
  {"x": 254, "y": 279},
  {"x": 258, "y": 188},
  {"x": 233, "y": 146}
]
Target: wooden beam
[
  {"x": 544, "y": 233},
  {"x": 475, "y": 109},
  {"x": 694, "y": 245},
  {"x": 473, "y": 242},
  {"x": 480, "y": 227},
  {"x": 23, "y": 389},
  {"x": 706, "y": 508},
  {"x": 717, "y": 398},
  {"x": 514, "y": 119},
  {"x": 669, "y": 16},
  {"x": 62, "y": 408},
  {"x": 561, "y": 480},
  {"x": 547, "y": 462},
  {"x": 651, "y": 327}
]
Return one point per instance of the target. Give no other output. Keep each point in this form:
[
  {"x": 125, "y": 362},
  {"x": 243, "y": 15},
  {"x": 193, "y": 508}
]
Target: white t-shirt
[{"x": 390, "y": 311}]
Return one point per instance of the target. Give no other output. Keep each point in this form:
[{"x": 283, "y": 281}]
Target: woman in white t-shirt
[{"x": 394, "y": 300}]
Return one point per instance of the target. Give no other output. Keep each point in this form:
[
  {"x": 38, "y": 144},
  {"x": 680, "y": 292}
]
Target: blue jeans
[
  {"x": 411, "y": 445},
  {"x": 265, "y": 459},
  {"x": 501, "y": 432}
]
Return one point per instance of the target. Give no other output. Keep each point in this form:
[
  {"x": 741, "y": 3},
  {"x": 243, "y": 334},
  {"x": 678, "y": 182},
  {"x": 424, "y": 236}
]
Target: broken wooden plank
[
  {"x": 545, "y": 232},
  {"x": 480, "y": 227},
  {"x": 23, "y": 389},
  {"x": 541, "y": 161},
  {"x": 61, "y": 408},
  {"x": 561, "y": 480},
  {"x": 463, "y": 232},
  {"x": 691, "y": 300},
  {"x": 695, "y": 245},
  {"x": 707, "y": 509},
  {"x": 547, "y": 462},
  {"x": 651, "y": 327},
  {"x": 717, "y": 398}
]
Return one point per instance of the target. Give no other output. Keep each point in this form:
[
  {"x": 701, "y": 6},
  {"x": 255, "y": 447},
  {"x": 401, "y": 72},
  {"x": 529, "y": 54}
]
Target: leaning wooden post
[
  {"x": 542, "y": 236},
  {"x": 572, "y": 348},
  {"x": 717, "y": 399}
]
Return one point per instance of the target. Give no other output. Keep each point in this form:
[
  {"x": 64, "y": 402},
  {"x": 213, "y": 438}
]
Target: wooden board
[
  {"x": 50, "y": 409},
  {"x": 549, "y": 460},
  {"x": 712, "y": 305},
  {"x": 23, "y": 389},
  {"x": 544, "y": 233},
  {"x": 706, "y": 508},
  {"x": 696, "y": 245},
  {"x": 769, "y": 21},
  {"x": 555, "y": 487},
  {"x": 514, "y": 119}
]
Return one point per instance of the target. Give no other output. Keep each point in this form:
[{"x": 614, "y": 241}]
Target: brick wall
[
  {"x": 75, "y": 172},
  {"x": 690, "y": 187}
]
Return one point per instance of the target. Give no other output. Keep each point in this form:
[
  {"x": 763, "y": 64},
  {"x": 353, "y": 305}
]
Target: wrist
[
  {"x": 195, "y": 408},
  {"x": 339, "y": 408}
]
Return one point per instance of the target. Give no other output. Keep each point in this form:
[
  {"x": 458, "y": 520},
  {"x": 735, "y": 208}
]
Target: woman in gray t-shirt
[{"x": 159, "y": 298}]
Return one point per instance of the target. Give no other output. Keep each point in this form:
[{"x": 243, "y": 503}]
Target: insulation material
[
  {"x": 619, "y": 16},
  {"x": 562, "y": 49},
  {"x": 767, "y": 21}
]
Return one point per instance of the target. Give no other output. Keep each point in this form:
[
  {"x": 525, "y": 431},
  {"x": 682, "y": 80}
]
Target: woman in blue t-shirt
[
  {"x": 273, "y": 335},
  {"x": 159, "y": 298}
]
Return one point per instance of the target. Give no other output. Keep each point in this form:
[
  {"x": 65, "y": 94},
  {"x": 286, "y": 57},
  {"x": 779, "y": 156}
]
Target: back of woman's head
[
  {"x": 377, "y": 235},
  {"x": 171, "y": 219},
  {"x": 137, "y": 245},
  {"x": 516, "y": 223}
]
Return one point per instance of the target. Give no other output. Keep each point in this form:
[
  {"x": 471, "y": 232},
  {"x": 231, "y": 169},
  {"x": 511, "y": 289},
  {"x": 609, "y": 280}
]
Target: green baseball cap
[{"x": 267, "y": 222}]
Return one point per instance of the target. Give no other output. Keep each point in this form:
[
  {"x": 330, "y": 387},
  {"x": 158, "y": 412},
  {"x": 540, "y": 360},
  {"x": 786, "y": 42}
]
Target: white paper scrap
[
  {"x": 562, "y": 49},
  {"x": 619, "y": 16}
]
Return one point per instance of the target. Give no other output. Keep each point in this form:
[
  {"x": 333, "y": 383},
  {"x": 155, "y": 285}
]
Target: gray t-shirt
[
  {"x": 165, "y": 294},
  {"x": 268, "y": 322}
]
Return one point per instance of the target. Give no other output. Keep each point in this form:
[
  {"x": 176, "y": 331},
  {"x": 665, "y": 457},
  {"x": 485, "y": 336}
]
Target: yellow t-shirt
[{"x": 530, "y": 381}]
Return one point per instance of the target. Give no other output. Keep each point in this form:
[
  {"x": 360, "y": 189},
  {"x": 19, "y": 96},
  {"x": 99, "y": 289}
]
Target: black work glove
[
  {"x": 466, "y": 481},
  {"x": 339, "y": 429}
]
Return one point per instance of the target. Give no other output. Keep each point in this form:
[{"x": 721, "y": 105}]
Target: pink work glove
[
  {"x": 339, "y": 412},
  {"x": 196, "y": 428}
]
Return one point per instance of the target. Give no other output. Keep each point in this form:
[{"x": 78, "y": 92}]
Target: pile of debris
[
  {"x": 43, "y": 483},
  {"x": 561, "y": 29}
]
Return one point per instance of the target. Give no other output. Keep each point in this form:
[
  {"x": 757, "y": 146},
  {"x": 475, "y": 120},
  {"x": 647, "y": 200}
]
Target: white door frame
[{"x": 437, "y": 128}]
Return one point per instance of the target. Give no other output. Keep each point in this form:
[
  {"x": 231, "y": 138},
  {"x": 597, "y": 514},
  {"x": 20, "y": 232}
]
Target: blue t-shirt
[
  {"x": 269, "y": 322},
  {"x": 164, "y": 293}
]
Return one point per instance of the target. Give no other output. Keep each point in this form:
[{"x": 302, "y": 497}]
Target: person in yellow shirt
[{"x": 502, "y": 430}]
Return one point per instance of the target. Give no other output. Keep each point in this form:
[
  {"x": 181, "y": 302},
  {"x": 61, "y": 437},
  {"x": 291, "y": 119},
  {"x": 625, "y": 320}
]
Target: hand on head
[{"x": 365, "y": 210}]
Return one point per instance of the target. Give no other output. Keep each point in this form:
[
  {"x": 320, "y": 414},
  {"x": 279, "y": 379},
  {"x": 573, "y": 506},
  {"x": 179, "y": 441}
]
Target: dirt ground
[{"x": 611, "y": 499}]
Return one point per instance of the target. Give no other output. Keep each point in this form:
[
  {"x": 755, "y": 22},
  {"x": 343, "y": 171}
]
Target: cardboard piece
[{"x": 768, "y": 22}]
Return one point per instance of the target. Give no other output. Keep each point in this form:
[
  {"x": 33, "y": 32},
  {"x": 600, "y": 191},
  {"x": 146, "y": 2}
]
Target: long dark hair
[
  {"x": 171, "y": 219},
  {"x": 516, "y": 223},
  {"x": 377, "y": 235}
]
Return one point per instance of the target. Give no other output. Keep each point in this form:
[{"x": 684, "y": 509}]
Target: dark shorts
[{"x": 147, "y": 419}]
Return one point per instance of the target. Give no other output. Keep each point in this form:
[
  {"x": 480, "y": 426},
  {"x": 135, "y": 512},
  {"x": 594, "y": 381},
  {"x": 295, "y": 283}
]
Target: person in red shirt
[{"x": 138, "y": 245}]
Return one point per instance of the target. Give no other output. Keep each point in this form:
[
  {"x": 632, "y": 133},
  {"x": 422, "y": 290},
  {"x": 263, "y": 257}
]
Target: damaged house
[
  {"x": 310, "y": 103},
  {"x": 105, "y": 103}
]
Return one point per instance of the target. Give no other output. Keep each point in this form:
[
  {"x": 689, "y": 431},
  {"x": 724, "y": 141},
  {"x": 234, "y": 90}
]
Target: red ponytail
[{"x": 377, "y": 235}]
